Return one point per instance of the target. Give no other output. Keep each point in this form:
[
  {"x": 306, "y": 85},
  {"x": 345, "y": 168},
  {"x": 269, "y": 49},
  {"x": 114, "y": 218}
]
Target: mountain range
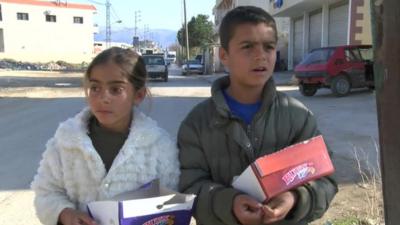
[{"x": 162, "y": 36}]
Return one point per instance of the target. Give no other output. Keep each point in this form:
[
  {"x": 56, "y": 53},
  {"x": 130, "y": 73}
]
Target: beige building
[
  {"x": 43, "y": 31},
  {"x": 321, "y": 23}
]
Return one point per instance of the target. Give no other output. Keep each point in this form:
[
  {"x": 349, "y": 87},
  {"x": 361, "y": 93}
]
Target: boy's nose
[{"x": 260, "y": 53}]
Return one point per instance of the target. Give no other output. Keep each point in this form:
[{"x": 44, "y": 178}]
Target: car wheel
[
  {"x": 308, "y": 89},
  {"x": 340, "y": 86}
]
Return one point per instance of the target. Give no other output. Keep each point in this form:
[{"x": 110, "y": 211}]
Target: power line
[
  {"x": 115, "y": 13},
  {"x": 109, "y": 8}
]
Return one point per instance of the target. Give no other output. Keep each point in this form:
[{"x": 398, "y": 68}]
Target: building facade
[
  {"x": 322, "y": 23},
  {"x": 43, "y": 31}
]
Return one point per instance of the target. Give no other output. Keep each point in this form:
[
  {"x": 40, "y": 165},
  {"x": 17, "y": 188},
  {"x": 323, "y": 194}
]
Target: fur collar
[{"x": 71, "y": 135}]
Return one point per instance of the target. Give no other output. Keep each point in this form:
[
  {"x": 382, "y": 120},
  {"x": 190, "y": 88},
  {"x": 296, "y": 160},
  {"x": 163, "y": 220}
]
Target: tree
[
  {"x": 200, "y": 31},
  {"x": 387, "y": 83},
  {"x": 174, "y": 47}
]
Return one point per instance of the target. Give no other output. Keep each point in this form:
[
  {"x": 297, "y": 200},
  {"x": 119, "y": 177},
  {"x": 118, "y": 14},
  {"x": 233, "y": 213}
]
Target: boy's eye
[
  {"x": 246, "y": 46},
  {"x": 269, "y": 47}
]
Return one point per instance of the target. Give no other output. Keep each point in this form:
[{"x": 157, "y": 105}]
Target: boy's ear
[
  {"x": 223, "y": 56},
  {"x": 139, "y": 96}
]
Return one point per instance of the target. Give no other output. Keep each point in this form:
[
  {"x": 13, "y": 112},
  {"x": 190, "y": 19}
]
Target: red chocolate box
[{"x": 286, "y": 169}]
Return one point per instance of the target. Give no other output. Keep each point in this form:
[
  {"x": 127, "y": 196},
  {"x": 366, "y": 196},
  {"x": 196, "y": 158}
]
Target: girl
[{"x": 107, "y": 148}]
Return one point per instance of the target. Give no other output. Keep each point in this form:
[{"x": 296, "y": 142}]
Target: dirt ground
[
  {"x": 357, "y": 198},
  {"x": 360, "y": 200}
]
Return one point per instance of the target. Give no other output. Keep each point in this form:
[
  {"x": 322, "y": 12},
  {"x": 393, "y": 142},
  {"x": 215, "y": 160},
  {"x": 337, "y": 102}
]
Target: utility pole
[
  {"x": 135, "y": 37},
  {"x": 186, "y": 31},
  {"x": 137, "y": 19},
  {"x": 145, "y": 34},
  {"x": 108, "y": 24},
  {"x": 385, "y": 24}
]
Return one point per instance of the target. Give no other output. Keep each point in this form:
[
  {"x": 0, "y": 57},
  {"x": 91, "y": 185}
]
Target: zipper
[{"x": 249, "y": 132}]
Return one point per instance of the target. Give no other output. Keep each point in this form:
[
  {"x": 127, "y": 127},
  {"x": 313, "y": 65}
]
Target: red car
[{"x": 339, "y": 68}]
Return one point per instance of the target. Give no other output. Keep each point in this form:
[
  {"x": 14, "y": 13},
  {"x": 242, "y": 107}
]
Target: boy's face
[{"x": 251, "y": 55}]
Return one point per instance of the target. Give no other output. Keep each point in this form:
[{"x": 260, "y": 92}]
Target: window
[
  {"x": 78, "y": 19},
  {"x": 318, "y": 56},
  {"x": 153, "y": 60},
  {"x": 352, "y": 55},
  {"x": 51, "y": 18},
  {"x": 367, "y": 53},
  {"x": 22, "y": 16},
  {"x": 1, "y": 14}
]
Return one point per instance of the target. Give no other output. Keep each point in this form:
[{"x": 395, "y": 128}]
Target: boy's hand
[
  {"x": 70, "y": 216},
  {"x": 247, "y": 210},
  {"x": 278, "y": 207}
]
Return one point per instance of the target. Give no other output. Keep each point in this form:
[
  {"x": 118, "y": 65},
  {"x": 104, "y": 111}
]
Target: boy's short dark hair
[{"x": 241, "y": 15}]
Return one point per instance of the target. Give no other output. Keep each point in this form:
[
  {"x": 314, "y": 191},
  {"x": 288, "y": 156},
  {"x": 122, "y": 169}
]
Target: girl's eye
[
  {"x": 94, "y": 89},
  {"x": 116, "y": 90}
]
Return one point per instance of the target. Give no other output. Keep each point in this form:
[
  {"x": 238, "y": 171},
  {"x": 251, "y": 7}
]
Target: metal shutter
[
  {"x": 315, "y": 30},
  {"x": 338, "y": 25},
  {"x": 298, "y": 41}
]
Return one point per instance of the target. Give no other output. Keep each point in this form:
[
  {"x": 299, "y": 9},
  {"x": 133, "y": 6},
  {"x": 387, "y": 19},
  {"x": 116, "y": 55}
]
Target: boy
[{"x": 246, "y": 118}]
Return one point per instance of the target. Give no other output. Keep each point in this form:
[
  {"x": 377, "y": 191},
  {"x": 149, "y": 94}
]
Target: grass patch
[{"x": 347, "y": 221}]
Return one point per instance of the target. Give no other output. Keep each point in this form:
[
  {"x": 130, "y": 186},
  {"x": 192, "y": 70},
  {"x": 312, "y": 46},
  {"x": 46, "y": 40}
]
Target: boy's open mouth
[{"x": 260, "y": 69}]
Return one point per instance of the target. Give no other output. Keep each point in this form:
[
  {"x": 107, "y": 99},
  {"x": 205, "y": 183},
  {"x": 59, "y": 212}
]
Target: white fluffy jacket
[{"x": 72, "y": 174}]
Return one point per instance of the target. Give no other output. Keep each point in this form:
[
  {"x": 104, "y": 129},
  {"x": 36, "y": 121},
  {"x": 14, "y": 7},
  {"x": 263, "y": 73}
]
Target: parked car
[
  {"x": 156, "y": 66},
  {"x": 339, "y": 68},
  {"x": 192, "y": 66}
]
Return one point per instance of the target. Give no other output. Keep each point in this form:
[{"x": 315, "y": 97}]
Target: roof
[{"x": 51, "y": 4}]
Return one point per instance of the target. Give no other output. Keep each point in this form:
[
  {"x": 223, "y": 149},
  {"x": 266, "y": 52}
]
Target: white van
[{"x": 170, "y": 57}]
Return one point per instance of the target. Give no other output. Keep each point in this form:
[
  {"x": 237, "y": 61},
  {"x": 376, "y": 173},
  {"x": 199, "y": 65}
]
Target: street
[{"x": 29, "y": 118}]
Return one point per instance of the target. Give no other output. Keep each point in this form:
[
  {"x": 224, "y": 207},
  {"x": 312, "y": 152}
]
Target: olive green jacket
[{"x": 215, "y": 146}]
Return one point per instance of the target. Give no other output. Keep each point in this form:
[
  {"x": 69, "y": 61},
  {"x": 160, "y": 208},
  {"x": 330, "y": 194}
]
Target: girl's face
[{"x": 111, "y": 97}]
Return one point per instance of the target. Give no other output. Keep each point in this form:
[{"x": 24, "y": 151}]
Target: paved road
[{"x": 26, "y": 123}]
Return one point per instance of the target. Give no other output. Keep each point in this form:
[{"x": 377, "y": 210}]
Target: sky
[{"x": 154, "y": 14}]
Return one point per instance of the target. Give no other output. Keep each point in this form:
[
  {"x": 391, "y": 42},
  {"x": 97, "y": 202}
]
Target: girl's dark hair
[
  {"x": 130, "y": 62},
  {"x": 241, "y": 15}
]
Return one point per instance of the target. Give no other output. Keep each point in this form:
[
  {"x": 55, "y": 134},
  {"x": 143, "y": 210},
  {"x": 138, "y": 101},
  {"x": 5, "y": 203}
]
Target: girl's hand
[
  {"x": 247, "y": 210},
  {"x": 70, "y": 216},
  {"x": 278, "y": 207}
]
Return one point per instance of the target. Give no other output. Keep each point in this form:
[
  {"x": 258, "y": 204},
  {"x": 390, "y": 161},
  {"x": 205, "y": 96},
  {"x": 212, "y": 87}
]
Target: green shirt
[{"x": 107, "y": 143}]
